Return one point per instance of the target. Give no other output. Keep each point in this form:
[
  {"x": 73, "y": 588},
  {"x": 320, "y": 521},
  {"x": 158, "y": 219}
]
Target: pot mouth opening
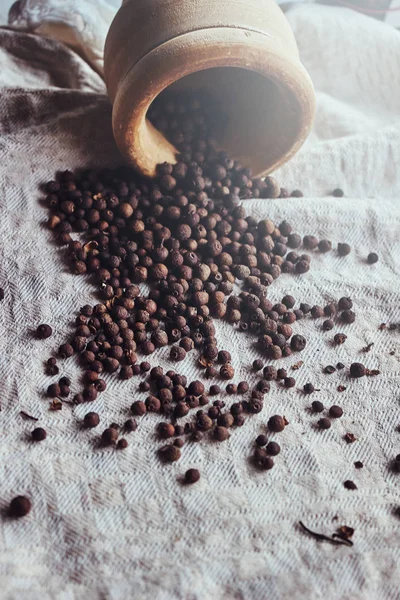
[{"x": 254, "y": 118}]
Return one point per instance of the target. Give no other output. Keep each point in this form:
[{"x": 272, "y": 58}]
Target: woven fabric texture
[{"x": 116, "y": 525}]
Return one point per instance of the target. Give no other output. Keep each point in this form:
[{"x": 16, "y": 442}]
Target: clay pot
[{"x": 242, "y": 52}]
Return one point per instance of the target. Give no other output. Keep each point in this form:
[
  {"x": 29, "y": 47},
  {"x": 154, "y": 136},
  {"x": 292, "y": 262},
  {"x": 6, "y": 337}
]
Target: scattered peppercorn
[
  {"x": 39, "y": 434},
  {"x": 20, "y": 506},
  {"x": 329, "y": 369},
  {"x": 262, "y": 440},
  {"x": 317, "y": 406},
  {"x": 335, "y": 412},
  {"x": 192, "y": 476},
  {"x": 170, "y": 453},
  {"x": 343, "y": 249},
  {"x": 358, "y": 464},
  {"x": 109, "y": 436},
  {"x": 350, "y": 438},
  {"x": 357, "y": 370},
  {"x": 372, "y": 258},
  {"x": 350, "y": 485},
  {"x": 273, "y": 448},
  {"x": 221, "y": 433},
  {"x": 324, "y": 423},
  {"x": 43, "y": 331},
  {"x": 289, "y": 382},
  {"x": 308, "y": 388},
  {"x": 258, "y": 365},
  {"x": 277, "y": 423},
  {"x": 340, "y": 338},
  {"x": 338, "y": 193},
  {"x": 122, "y": 444}
]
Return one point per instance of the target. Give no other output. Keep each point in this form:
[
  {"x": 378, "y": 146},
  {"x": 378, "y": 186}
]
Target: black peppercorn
[
  {"x": 324, "y": 246},
  {"x": 273, "y": 448},
  {"x": 192, "y": 476},
  {"x": 130, "y": 425},
  {"x": 227, "y": 371},
  {"x": 43, "y": 332},
  {"x": 340, "y": 338},
  {"x": 109, "y": 436},
  {"x": 170, "y": 453},
  {"x": 39, "y": 434},
  {"x": 298, "y": 343},
  {"x": 277, "y": 423},
  {"x": 20, "y": 506},
  {"x": 138, "y": 408},
  {"x": 335, "y": 412},
  {"x": 372, "y": 258},
  {"x": 343, "y": 249},
  {"x": 262, "y": 440},
  {"x": 357, "y": 370},
  {"x": 328, "y": 325},
  {"x": 221, "y": 433},
  {"x": 348, "y": 316},
  {"x": 317, "y": 406},
  {"x": 243, "y": 387},
  {"x": 350, "y": 485},
  {"x": 308, "y": 388},
  {"x": 324, "y": 423}
]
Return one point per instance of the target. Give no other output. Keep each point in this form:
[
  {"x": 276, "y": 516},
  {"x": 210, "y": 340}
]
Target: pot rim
[{"x": 200, "y": 50}]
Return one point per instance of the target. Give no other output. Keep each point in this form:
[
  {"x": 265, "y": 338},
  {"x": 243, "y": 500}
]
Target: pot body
[{"x": 241, "y": 52}]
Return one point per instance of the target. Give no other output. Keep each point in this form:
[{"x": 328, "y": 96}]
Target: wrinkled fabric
[{"x": 115, "y": 525}]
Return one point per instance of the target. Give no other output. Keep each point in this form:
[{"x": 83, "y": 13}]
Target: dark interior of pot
[{"x": 257, "y": 120}]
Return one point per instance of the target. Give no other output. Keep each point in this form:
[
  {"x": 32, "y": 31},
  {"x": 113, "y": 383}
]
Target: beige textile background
[{"x": 112, "y": 525}]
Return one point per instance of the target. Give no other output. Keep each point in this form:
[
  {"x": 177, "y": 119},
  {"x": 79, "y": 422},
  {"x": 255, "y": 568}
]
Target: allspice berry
[
  {"x": 227, "y": 371},
  {"x": 138, "y": 408},
  {"x": 372, "y": 258},
  {"x": 192, "y": 476},
  {"x": 90, "y": 420},
  {"x": 39, "y": 434},
  {"x": 335, "y": 412},
  {"x": 357, "y": 370},
  {"x": 277, "y": 423},
  {"x": 221, "y": 433},
  {"x": 166, "y": 430},
  {"x": 169, "y": 453},
  {"x": 298, "y": 343},
  {"x": 109, "y": 436},
  {"x": 43, "y": 332},
  {"x": 20, "y": 506}
]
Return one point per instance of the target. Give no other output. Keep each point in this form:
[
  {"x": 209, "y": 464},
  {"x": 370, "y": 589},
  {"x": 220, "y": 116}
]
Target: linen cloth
[{"x": 116, "y": 525}]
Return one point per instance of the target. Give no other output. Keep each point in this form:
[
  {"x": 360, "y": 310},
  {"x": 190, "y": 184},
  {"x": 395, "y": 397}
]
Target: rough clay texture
[{"x": 116, "y": 525}]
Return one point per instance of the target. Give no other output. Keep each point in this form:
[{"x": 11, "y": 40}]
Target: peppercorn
[
  {"x": 343, "y": 249},
  {"x": 153, "y": 404},
  {"x": 308, "y": 388},
  {"x": 196, "y": 388},
  {"x": 317, "y": 406},
  {"x": 166, "y": 430},
  {"x": 358, "y": 464},
  {"x": 53, "y": 390},
  {"x": 43, "y": 331},
  {"x": 192, "y": 476},
  {"x": 177, "y": 353},
  {"x": 317, "y": 312},
  {"x": 281, "y": 374},
  {"x": 227, "y": 371},
  {"x": 277, "y": 423},
  {"x": 273, "y": 448},
  {"x": 289, "y": 382},
  {"x": 221, "y": 433},
  {"x": 357, "y": 370},
  {"x": 350, "y": 485},
  {"x": 109, "y": 436},
  {"x": 329, "y": 369},
  {"x": 39, "y": 434},
  {"x": 372, "y": 258},
  {"x": 328, "y": 325},
  {"x": 130, "y": 425},
  {"x": 122, "y": 444},
  {"x": 20, "y": 506},
  {"x": 310, "y": 242},
  {"x": 262, "y": 440},
  {"x": 65, "y": 351},
  {"x": 340, "y": 338},
  {"x": 348, "y": 316},
  {"x": 324, "y": 246},
  {"x": 324, "y": 423},
  {"x": 169, "y": 453},
  {"x": 298, "y": 343},
  {"x": 225, "y": 420},
  {"x": 335, "y": 412},
  {"x": 138, "y": 408},
  {"x": 243, "y": 387},
  {"x": 270, "y": 373},
  {"x": 258, "y": 365},
  {"x": 231, "y": 388}
]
